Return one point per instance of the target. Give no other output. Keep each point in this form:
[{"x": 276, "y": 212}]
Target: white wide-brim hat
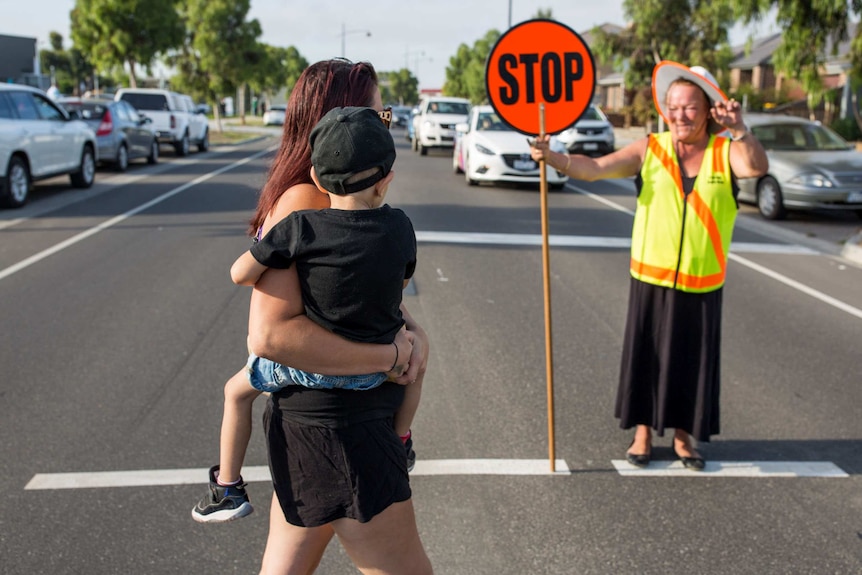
[{"x": 666, "y": 72}]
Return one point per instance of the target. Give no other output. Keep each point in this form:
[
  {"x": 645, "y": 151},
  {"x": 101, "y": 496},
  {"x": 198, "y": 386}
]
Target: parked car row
[{"x": 41, "y": 138}]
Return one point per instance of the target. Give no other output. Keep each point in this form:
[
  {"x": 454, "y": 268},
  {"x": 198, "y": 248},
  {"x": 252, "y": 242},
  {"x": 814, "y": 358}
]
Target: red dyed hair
[{"x": 322, "y": 86}]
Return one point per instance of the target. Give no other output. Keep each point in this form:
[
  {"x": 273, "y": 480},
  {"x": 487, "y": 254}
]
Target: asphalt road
[{"x": 120, "y": 326}]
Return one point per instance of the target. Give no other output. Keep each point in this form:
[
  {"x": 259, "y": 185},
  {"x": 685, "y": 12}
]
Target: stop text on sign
[{"x": 557, "y": 77}]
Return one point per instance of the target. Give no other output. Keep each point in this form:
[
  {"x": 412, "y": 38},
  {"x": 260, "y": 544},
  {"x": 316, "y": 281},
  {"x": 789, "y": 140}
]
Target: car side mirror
[
  {"x": 74, "y": 115},
  {"x": 463, "y": 128},
  {"x": 145, "y": 120}
]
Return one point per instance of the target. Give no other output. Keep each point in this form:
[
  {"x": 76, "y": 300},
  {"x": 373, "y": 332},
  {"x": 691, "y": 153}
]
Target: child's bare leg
[
  {"x": 236, "y": 426},
  {"x": 405, "y": 414}
]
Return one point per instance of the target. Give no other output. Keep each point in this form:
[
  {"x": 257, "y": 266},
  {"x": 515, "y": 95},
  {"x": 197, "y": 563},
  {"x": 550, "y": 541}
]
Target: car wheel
[
  {"x": 17, "y": 185},
  {"x": 122, "y": 161},
  {"x": 205, "y": 143},
  {"x": 769, "y": 199},
  {"x": 423, "y": 150},
  {"x": 182, "y": 147},
  {"x": 86, "y": 174},
  {"x": 153, "y": 158}
]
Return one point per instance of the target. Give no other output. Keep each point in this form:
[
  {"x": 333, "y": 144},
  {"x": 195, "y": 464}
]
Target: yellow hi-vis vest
[{"x": 677, "y": 241}]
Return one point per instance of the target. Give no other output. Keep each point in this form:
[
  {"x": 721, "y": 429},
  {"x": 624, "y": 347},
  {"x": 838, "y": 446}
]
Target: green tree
[
  {"x": 808, "y": 28},
  {"x": 113, "y": 33},
  {"x": 691, "y": 32},
  {"x": 221, "y": 53},
  {"x": 403, "y": 87},
  {"x": 465, "y": 74}
]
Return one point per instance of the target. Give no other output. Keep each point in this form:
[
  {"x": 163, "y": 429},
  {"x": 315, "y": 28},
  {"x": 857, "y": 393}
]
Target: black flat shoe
[
  {"x": 639, "y": 460},
  {"x": 691, "y": 463}
]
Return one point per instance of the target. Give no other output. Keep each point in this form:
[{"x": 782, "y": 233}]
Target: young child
[{"x": 353, "y": 261}]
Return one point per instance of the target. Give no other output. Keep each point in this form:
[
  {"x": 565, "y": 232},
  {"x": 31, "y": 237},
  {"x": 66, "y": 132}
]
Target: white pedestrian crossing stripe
[
  {"x": 733, "y": 469},
  {"x": 509, "y": 467}
]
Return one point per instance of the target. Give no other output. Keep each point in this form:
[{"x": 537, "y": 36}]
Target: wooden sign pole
[{"x": 546, "y": 268}]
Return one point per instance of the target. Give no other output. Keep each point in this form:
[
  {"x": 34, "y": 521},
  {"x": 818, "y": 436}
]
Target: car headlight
[
  {"x": 482, "y": 149},
  {"x": 428, "y": 124},
  {"x": 812, "y": 180}
]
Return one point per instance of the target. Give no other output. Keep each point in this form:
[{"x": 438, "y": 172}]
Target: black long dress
[{"x": 670, "y": 368}]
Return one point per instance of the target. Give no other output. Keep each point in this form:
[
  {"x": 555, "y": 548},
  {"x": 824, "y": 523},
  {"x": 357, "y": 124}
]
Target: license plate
[
  {"x": 854, "y": 198},
  {"x": 524, "y": 165},
  {"x": 591, "y": 146}
]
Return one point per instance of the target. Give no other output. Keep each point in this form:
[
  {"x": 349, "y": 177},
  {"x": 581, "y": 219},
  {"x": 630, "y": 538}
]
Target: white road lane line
[
  {"x": 798, "y": 286},
  {"x": 25, "y": 263},
  {"x": 587, "y": 242},
  {"x": 260, "y": 473},
  {"x": 733, "y": 469}
]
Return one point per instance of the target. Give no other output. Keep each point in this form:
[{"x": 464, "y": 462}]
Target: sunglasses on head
[{"x": 386, "y": 116}]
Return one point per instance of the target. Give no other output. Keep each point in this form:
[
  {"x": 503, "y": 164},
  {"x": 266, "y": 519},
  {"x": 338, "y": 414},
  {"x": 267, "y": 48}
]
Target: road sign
[{"x": 540, "y": 61}]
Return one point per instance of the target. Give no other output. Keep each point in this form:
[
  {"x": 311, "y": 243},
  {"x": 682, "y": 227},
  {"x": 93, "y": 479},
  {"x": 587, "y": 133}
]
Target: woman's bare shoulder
[{"x": 298, "y": 197}]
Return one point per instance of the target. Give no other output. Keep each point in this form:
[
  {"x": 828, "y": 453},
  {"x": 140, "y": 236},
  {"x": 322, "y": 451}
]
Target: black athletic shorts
[{"x": 321, "y": 474}]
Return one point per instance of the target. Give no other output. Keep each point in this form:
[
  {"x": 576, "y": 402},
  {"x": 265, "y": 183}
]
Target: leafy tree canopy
[
  {"x": 112, "y": 33},
  {"x": 465, "y": 74}
]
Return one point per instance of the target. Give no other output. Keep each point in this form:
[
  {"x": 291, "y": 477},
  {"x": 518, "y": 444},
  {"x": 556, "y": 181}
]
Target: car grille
[
  {"x": 849, "y": 178},
  {"x": 510, "y": 159},
  {"x": 591, "y": 131},
  {"x": 447, "y": 126}
]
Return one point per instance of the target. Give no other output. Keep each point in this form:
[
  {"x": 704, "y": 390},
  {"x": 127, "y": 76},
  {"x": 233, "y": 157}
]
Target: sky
[{"x": 420, "y": 35}]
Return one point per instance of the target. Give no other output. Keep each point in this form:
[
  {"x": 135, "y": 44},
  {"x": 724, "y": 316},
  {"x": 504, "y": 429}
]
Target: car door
[
  {"x": 41, "y": 136},
  {"x": 143, "y": 131},
  {"x": 128, "y": 123}
]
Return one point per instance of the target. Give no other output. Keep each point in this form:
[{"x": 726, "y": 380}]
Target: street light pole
[{"x": 344, "y": 33}]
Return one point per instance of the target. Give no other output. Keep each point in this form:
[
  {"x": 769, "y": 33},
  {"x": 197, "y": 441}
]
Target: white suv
[
  {"x": 434, "y": 125},
  {"x": 173, "y": 116},
  {"x": 38, "y": 139},
  {"x": 592, "y": 134}
]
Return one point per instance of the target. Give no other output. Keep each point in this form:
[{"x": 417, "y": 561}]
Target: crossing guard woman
[{"x": 686, "y": 209}]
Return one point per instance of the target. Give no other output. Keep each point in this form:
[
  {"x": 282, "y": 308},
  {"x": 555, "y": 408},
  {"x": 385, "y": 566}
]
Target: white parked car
[
  {"x": 434, "y": 125},
  {"x": 38, "y": 140},
  {"x": 274, "y": 116},
  {"x": 488, "y": 150}
]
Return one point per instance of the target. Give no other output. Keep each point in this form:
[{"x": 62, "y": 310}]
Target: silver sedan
[{"x": 810, "y": 167}]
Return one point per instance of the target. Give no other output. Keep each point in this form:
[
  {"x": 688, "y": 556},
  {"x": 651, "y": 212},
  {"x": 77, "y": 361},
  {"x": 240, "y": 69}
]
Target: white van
[{"x": 173, "y": 115}]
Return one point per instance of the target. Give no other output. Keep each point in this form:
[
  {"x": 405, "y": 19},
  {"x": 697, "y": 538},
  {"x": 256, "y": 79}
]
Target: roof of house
[{"x": 763, "y": 48}]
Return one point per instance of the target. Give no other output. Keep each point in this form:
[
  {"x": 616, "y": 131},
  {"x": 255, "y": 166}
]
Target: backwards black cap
[{"x": 347, "y": 141}]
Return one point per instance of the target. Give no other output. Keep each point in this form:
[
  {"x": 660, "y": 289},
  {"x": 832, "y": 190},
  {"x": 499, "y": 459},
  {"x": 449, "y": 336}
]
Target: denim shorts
[{"x": 268, "y": 376}]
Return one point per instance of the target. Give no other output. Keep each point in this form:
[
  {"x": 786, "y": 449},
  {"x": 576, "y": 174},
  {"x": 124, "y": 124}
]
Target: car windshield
[
  {"x": 449, "y": 108},
  {"x": 88, "y": 110},
  {"x": 592, "y": 113},
  {"x": 490, "y": 122},
  {"x": 146, "y": 101},
  {"x": 799, "y": 137}
]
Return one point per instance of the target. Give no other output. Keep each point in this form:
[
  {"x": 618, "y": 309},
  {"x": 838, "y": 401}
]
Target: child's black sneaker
[
  {"x": 222, "y": 503},
  {"x": 411, "y": 455}
]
